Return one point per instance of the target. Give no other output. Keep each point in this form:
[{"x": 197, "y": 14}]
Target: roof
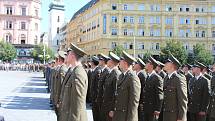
[{"x": 84, "y": 8}]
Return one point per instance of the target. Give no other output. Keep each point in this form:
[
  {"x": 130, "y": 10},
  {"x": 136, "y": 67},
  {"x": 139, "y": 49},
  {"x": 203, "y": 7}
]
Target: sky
[{"x": 71, "y": 7}]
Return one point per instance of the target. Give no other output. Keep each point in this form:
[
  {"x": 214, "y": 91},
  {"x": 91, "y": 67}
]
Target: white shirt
[
  {"x": 151, "y": 73},
  {"x": 197, "y": 77},
  {"x": 170, "y": 75}
]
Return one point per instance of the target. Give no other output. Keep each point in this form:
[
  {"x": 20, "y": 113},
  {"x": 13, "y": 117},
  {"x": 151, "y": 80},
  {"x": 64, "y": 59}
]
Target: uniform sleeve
[
  {"x": 78, "y": 93},
  {"x": 134, "y": 96},
  {"x": 182, "y": 98},
  {"x": 205, "y": 95},
  {"x": 159, "y": 93}
]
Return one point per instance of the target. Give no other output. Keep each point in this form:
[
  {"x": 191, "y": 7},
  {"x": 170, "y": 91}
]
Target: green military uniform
[
  {"x": 127, "y": 94},
  {"x": 58, "y": 84},
  {"x": 211, "y": 111},
  {"x": 208, "y": 76},
  {"x": 52, "y": 80},
  {"x": 78, "y": 84},
  {"x": 175, "y": 95},
  {"x": 64, "y": 97},
  {"x": 199, "y": 94}
]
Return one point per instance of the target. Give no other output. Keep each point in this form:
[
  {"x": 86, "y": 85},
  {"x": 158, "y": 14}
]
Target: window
[
  {"x": 184, "y": 33},
  {"x": 125, "y": 7},
  {"x": 197, "y": 34},
  {"x": 169, "y": 21},
  {"x": 23, "y": 25},
  {"x": 213, "y": 47},
  {"x": 213, "y": 20},
  {"x": 187, "y": 9},
  {"x": 200, "y": 34},
  {"x": 9, "y": 25},
  {"x": 125, "y": 45},
  {"x": 57, "y": 43},
  {"x": 213, "y": 34},
  {"x": 35, "y": 40},
  {"x": 157, "y": 47},
  {"x": 125, "y": 19},
  {"x": 155, "y": 32},
  {"x": 58, "y": 30},
  {"x": 169, "y": 32},
  {"x": 114, "y": 7},
  {"x": 141, "y": 32},
  {"x": 141, "y": 7},
  {"x": 8, "y": 38},
  {"x": 130, "y": 32},
  {"x": 125, "y": 32},
  {"x": 184, "y": 21},
  {"x": 131, "y": 46},
  {"x": 131, "y": 20},
  {"x": 141, "y": 19},
  {"x": 201, "y": 21},
  {"x": 114, "y": 19},
  {"x": 36, "y": 27},
  {"x": 23, "y": 39},
  {"x": 168, "y": 8},
  {"x": 141, "y": 46},
  {"x": 113, "y": 45},
  {"x": 9, "y": 10},
  {"x": 197, "y": 10},
  {"x": 155, "y": 20},
  {"x": 58, "y": 18},
  {"x": 23, "y": 11},
  {"x": 203, "y": 34},
  {"x": 155, "y": 7},
  {"x": 36, "y": 13},
  {"x": 113, "y": 31},
  {"x": 213, "y": 9},
  {"x": 184, "y": 8}
]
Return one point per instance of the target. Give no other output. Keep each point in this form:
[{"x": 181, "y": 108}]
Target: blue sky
[{"x": 71, "y": 7}]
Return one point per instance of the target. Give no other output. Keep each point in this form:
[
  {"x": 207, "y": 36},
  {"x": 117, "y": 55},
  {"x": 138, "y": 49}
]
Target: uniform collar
[
  {"x": 170, "y": 75},
  {"x": 151, "y": 73},
  {"x": 197, "y": 77}
]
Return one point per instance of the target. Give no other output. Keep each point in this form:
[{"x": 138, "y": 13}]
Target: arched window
[
  {"x": 8, "y": 38},
  {"x": 23, "y": 39}
]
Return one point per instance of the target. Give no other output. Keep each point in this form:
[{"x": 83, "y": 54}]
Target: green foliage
[
  {"x": 118, "y": 50},
  {"x": 7, "y": 51},
  {"x": 37, "y": 53},
  {"x": 146, "y": 56},
  {"x": 201, "y": 54},
  {"x": 175, "y": 48}
]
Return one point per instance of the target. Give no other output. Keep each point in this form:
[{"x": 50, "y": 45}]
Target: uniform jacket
[
  {"x": 212, "y": 104},
  {"x": 110, "y": 85},
  {"x": 199, "y": 94},
  {"x": 127, "y": 97},
  {"x": 153, "y": 93},
  {"x": 175, "y": 96},
  {"x": 142, "y": 76},
  {"x": 162, "y": 74},
  {"x": 78, "y": 83}
]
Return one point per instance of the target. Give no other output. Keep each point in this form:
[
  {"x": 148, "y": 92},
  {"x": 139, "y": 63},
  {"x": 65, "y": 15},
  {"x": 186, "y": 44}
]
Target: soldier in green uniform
[
  {"x": 211, "y": 111},
  {"x": 103, "y": 59},
  {"x": 95, "y": 76},
  {"x": 128, "y": 92},
  {"x": 175, "y": 92},
  {"x": 152, "y": 92},
  {"x": 159, "y": 69},
  {"x": 139, "y": 69},
  {"x": 186, "y": 71},
  {"x": 199, "y": 94},
  {"x": 59, "y": 79},
  {"x": 109, "y": 87}
]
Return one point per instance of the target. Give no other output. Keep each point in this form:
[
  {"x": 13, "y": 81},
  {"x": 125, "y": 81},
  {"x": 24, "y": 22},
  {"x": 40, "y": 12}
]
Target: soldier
[
  {"x": 95, "y": 75},
  {"x": 152, "y": 92},
  {"x": 104, "y": 72},
  {"x": 199, "y": 94},
  {"x": 127, "y": 93},
  {"x": 211, "y": 111},
  {"x": 110, "y": 87},
  {"x": 59, "y": 79},
  {"x": 213, "y": 78},
  {"x": 205, "y": 72},
  {"x": 175, "y": 92},
  {"x": 138, "y": 67},
  {"x": 186, "y": 71},
  {"x": 159, "y": 69}
]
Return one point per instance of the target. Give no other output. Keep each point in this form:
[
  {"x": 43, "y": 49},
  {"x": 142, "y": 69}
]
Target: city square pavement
[{"x": 23, "y": 97}]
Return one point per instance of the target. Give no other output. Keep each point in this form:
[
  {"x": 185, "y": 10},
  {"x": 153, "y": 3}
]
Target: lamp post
[{"x": 44, "y": 54}]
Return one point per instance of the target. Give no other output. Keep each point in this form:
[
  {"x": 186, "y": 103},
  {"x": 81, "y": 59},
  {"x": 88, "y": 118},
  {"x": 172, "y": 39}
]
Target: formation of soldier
[{"x": 128, "y": 89}]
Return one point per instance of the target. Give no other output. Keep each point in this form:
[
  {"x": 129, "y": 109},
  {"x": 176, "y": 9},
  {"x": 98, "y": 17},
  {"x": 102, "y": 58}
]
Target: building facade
[
  {"x": 142, "y": 25},
  {"x": 56, "y": 21},
  {"x": 20, "y": 25}
]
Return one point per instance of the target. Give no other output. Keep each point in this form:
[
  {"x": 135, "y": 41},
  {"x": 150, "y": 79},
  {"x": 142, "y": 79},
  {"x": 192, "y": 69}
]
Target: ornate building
[
  {"x": 20, "y": 25},
  {"x": 101, "y": 25}
]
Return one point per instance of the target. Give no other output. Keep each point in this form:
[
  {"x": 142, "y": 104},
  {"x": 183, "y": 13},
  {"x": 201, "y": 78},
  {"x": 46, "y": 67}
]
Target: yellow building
[{"x": 101, "y": 25}]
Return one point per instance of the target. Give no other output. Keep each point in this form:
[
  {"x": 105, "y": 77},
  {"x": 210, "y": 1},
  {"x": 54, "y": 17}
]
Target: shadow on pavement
[
  {"x": 32, "y": 90},
  {"x": 28, "y": 103},
  {"x": 35, "y": 84}
]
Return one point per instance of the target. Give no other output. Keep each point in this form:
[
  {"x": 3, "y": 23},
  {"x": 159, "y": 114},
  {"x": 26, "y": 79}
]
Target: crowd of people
[
  {"x": 129, "y": 89},
  {"x": 35, "y": 67}
]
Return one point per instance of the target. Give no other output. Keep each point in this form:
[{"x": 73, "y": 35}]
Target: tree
[
  {"x": 201, "y": 54},
  {"x": 38, "y": 53},
  {"x": 146, "y": 56},
  {"x": 175, "y": 48},
  {"x": 118, "y": 50},
  {"x": 7, "y": 51}
]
